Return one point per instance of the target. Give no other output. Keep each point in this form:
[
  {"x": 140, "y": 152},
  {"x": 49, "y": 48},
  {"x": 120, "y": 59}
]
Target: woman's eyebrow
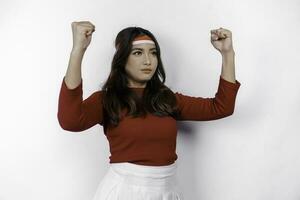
[{"x": 142, "y": 49}]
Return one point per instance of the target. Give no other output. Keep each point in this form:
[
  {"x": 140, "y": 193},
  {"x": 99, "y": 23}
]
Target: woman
[{"x": 138, "y": 111}]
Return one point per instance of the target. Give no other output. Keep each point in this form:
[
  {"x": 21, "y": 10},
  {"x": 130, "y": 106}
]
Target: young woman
[{"x": 138, "y": 111}]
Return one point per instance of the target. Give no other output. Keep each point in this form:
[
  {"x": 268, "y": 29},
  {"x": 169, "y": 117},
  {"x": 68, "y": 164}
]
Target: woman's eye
[
  {"x": 154, "y": 52},
  {"x": 136, "y": 52}
]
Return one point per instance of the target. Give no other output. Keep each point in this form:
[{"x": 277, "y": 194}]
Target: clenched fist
[
  {"x": 221, "y": 39},
  {"x": 82, "y": 34}
]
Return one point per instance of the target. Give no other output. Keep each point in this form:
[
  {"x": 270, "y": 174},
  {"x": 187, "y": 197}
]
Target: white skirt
[{"x": 128, "y": 181}]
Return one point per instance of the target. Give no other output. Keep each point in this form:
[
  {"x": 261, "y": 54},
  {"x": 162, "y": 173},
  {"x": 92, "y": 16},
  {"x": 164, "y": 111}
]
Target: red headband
[{"x": 142, "y": 39}]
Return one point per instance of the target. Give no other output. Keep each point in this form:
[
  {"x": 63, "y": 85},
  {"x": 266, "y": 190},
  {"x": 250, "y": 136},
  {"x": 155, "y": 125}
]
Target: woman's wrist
[{"x": 228, "y": 53}]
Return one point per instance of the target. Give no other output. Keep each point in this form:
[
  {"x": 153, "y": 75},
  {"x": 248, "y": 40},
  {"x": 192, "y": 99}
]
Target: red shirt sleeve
[
  {"x": 74, "y": 113},
  {"x": 205, "y": 109}
]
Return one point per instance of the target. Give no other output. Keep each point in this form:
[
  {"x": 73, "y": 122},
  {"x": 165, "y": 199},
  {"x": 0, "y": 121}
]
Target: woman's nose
[{"x": 147, "y": 59}]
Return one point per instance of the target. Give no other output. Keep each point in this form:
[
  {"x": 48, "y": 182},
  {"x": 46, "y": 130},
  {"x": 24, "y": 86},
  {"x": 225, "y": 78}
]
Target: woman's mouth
[{"x": 146, "y": 70}]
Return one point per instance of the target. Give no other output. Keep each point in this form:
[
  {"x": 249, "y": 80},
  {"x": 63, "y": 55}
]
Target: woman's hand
[
  {"x": 221, "y": 39},
  {"x": 82, "y": 34}
]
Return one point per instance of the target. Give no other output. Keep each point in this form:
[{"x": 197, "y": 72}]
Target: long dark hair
[{"x": 158, "y": 99}]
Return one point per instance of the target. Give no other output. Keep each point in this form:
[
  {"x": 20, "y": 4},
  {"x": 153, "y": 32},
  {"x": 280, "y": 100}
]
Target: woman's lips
[{"x": 146, "y": 70}]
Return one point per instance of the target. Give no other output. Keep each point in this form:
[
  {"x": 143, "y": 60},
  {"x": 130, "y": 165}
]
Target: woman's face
[{"x": 142, "y": 56}]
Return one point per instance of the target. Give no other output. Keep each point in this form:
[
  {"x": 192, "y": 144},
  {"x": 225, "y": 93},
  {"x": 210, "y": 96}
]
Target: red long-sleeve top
[{"x": 144, "y": 141}]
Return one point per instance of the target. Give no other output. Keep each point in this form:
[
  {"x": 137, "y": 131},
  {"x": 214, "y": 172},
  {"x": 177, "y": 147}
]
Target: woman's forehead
[{"x": 143, "y": 46}]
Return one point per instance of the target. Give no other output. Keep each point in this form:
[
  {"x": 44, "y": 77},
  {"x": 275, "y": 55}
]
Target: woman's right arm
[
  {"x": 73, "y": 75},
  {"x": 74, "y": 113},
  {"x": 82, "y": 35}
]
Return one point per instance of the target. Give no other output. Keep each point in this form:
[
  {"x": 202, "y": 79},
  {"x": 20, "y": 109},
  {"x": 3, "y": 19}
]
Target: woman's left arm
[
  {"x": 228, "y": 68},
  {"x": 221, "y": 39},
  {"x": 222, "y": 105}
]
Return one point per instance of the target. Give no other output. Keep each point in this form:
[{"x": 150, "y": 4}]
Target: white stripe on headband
[{"x": 142, "y": 42}]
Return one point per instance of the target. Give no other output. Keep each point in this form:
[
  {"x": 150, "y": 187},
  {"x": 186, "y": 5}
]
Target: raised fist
[{"x": 82, "y": 34}]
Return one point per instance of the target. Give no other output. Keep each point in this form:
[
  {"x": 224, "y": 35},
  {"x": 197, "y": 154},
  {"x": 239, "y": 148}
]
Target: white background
[{"x": 251, "y": 155}]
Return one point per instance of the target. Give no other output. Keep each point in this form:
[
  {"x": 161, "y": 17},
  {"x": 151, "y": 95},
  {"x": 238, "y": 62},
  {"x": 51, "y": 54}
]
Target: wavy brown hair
[{"x": 157, "y": 99}]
